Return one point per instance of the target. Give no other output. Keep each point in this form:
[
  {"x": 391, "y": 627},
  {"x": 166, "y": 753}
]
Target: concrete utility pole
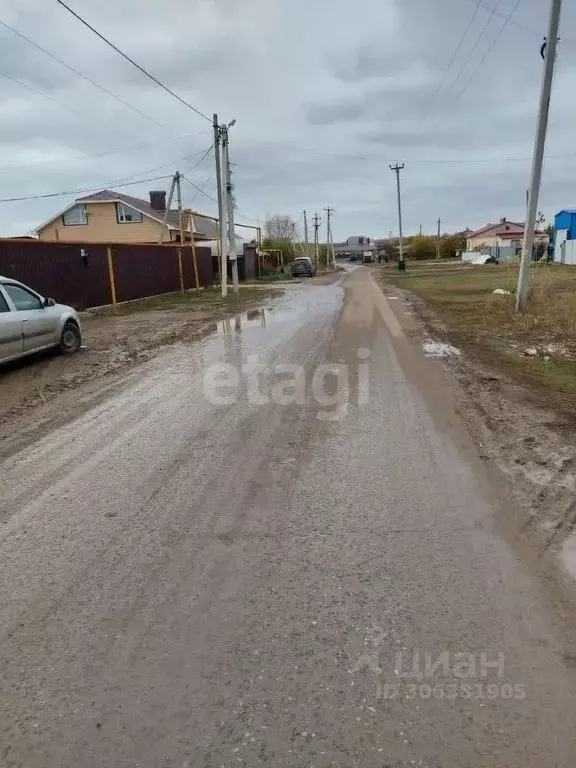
[
  {"x": 230, "y": 207},
  {"x": 317, "y": 221},
  {"x": 306, "y": 233},
  {"x": 329, "y": 243},
  {"x": 438, "y": 241},
  {"x": 549, "y": 53},
  {"x": 396, "y": 169},
  {"x": 221, "y": 216}
]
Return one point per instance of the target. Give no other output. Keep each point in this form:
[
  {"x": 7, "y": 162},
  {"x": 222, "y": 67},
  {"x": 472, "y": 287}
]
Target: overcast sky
[{"x": 326, "y": 93}]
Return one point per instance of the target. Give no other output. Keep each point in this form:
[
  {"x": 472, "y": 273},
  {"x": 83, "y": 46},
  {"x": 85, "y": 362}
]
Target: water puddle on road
[{"x": 254, "y": 318}]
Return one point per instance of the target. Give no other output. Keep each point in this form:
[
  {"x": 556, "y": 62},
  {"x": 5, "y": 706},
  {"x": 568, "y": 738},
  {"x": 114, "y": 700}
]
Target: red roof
[{"x": 503, "y": 228}]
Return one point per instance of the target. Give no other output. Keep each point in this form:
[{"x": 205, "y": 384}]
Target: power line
[
  {"x": 134, "y": 63},
  {"x": 213, "y": 199},
  {"x": 79, "y": 191},
  {"x": 101, "y": 154},
  {"x": 455, "y": 54},
  {"x": 115, "y": 183},
  {"x": 523, "y": 27},
  {"x": 477, "y": 43},
  {"x": 483, "y": 59},
  {"x": 204, "y": 156},
  {"x": 40, "y": 93},
  {"x": 80, "y": 74},
  {"x": 199, "y": 189}
]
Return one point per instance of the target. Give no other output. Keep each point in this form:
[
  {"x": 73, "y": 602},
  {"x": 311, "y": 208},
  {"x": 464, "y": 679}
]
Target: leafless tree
[{"x": 279, "y": 228}]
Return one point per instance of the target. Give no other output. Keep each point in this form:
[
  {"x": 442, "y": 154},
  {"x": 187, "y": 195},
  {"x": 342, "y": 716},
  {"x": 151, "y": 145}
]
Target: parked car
[
  {"x": 303, "y": 266},
  {"x": 29, "y": 322},
  {"x": 367, "y": 257}
]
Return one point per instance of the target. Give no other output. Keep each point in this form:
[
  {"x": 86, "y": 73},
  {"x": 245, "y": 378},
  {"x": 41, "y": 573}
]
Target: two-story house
[{"x": 112, "y": 217}]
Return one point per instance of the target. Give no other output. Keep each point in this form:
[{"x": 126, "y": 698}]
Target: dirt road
[{"x": 241, "y": 579}]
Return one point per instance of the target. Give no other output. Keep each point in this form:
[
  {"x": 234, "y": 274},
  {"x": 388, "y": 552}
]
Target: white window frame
[
  {"x": 84, "y": 218},
  {"x": 122, "y": 209}
]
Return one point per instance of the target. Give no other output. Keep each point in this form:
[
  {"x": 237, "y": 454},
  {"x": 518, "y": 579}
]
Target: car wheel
[{"x": 71, "y": 339}]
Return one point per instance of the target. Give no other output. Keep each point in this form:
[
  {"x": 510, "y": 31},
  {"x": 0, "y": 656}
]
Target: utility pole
[
  {"x": 549, "y": 53},
  {"x": 420, "y": 230},
  {"x": 306, "y": 233},
  {"x": 396, "y": 169},
  {"x": 329, "y": 244},
  {"x": 179, "y": 204},
  {"x": 221, "y": 217},
  {"x": 438, "y": 241},
  {"x": 230, "y": 207},
  {"x": 317, "y": 221},
  {"x": 167, "y": 211}
]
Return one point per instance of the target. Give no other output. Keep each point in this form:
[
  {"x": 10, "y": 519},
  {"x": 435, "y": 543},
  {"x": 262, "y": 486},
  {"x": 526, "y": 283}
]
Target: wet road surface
[{"x": 257, "y": 581}]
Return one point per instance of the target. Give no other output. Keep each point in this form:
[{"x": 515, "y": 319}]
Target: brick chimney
[{"x": 158, "y": 200}]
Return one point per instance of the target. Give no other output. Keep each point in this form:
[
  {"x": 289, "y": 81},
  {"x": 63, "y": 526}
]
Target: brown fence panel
[
  {"x": 144, "y": 271},
  {"x": 58, "y": 271},
  {"x": 206, "y": 274},
  {"x": 77, "y": 273},
  {"x": 188, "y": 267}
]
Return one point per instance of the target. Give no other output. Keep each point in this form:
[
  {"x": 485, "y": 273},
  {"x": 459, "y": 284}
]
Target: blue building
[
  {"x": 564, "y": 233},
  {"x": 566, "y": 220}
]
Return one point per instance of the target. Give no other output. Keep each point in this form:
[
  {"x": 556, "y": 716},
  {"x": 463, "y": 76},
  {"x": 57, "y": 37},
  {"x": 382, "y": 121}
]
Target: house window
[
  {"x": 75, "y": 216},
  {"x": 360, "y": 241},
  {"x": 127, "y": 215}
]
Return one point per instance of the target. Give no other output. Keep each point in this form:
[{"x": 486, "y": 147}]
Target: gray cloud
[{"x": 310, "y": 100}]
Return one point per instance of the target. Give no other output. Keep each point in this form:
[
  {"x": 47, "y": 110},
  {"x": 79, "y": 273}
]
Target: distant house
[
  {"x": 504, "y": 234},
  {"x": 112, "y": 217},
  {"x": 354, "y": 245},
  {"x": 565, "y": 236}
]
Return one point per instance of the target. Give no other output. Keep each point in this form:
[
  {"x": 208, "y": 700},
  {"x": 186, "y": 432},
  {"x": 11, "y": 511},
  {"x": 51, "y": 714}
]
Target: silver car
[{"x": 29, "y": 322}]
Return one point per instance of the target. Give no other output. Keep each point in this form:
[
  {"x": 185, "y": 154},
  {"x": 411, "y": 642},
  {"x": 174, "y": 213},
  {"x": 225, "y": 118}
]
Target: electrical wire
[
  {"x": 204, "y": 156},
  {"x": 198, "y": 189},
  {"x": 134, "y": 63},
  {"x": 79, "y": 191},
  {"x": 483, "y": 59},
  {"x": 41, "y": 93},
  {"x": 523, "y": 27},
  {"x": 477, "y": 43},
  {"x": 116, "y": 183},
  {"x": 101, "y": 154},
  {"x": 454, "y": 56},
  {"x": 82, "y": 75}
]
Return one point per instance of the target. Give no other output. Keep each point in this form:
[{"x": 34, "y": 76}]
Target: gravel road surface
[{"x": 244, "y": 580}]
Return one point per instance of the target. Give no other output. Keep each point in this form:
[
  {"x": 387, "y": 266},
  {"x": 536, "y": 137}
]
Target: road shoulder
[{"x": 517, "y": 433}]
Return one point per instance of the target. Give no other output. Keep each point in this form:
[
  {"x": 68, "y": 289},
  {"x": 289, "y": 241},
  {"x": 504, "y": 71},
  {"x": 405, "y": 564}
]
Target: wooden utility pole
[
  {"x": 438, "y": 241},
  {"x": 168, "y": 205}
]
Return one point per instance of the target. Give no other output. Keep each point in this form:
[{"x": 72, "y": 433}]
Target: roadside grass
[
  {"x": 463, "y": 298},
  {"x": 209, "y": 298}
]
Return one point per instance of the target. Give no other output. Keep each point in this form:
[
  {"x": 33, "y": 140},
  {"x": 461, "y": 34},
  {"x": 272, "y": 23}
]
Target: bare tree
[{"x": 279, "y": 228}]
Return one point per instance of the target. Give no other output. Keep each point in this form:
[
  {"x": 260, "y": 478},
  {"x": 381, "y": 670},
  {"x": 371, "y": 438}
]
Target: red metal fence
[{"x": 93, "y": 274}]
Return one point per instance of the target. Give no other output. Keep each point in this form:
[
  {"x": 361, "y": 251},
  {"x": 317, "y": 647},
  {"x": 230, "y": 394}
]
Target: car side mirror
[{"x": 49, "y": 303}]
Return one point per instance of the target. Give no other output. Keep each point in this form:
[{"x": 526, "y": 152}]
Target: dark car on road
[{"x": 303, "y": 267}]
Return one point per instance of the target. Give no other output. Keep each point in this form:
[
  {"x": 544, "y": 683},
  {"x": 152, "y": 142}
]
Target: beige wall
[
  {"x": 489, "y": 241},
  {"x": 103, "y": 227}
]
